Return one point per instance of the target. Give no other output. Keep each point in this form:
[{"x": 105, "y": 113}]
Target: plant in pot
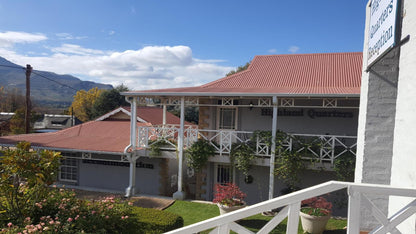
[
  {"x": 314, "y": 214},
  {"x": 229, "y": 197}
]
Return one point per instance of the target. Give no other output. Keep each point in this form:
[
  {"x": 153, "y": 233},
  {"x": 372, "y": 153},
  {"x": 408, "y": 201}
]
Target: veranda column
[
  {"x": 273, "y": 148},
  {"x": 133, "y": 145},
  {"x": 180, "y": 195},
  {"x": 164, "y": 113}
]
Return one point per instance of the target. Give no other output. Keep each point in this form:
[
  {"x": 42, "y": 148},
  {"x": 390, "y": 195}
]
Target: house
[
  {"x": 94, "y": 152},
  {"x": 50, "y": 123},
  {"x": 313, "y": 96}
]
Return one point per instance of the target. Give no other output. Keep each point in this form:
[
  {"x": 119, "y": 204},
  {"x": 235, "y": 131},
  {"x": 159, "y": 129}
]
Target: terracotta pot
[
  {"x": 314, "y": 224},
  {"x": 226, "y": 209}
]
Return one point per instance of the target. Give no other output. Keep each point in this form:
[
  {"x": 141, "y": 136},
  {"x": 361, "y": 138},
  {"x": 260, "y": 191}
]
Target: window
[
  {"x": 227, "y": 118},
  {"x": 68, "y": 170},
  {"x": 223, "y": 174}
]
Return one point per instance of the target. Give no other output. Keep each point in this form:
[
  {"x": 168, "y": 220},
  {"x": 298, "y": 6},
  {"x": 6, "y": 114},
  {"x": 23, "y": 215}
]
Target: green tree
[
  {"x": 83, "y": 103},
  {"x": 239, "y": 69},
  {"x": 108, "y": 101}
]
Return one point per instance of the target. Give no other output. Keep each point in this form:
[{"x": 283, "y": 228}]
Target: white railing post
[
  {"x": 354, "y": 201},
  {"x": 293, "y": 218}
]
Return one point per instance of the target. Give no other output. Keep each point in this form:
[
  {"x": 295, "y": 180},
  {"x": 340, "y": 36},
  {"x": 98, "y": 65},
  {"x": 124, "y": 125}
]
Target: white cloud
[
  {"x": 272, "y": 51},
  {"x": 68, "y": 36},
  {"x": 293, "y": 49},
  {"x": 151, "y": 67},
  {"x": 8, "y": 39},
  {"x": 111, "y": 32},
  {"x": 75, "y": 49}
]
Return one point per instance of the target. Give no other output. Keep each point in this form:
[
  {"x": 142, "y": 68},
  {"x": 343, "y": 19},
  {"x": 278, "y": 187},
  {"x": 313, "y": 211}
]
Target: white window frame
[
  {"x": 219, "y": 125},
  {"x": 69, "y": 172}
]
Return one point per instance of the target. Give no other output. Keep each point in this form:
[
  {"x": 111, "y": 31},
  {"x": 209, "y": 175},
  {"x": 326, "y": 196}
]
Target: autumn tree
[
  {"x": 83, "y": 103},
  {"x": 109, "y": 100}
]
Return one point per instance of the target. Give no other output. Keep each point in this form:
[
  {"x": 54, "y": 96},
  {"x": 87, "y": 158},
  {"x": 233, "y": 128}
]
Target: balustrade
[{"x": 319, "y": 148}]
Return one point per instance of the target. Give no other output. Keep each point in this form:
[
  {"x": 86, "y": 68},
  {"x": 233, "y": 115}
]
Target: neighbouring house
[
  {"x": 94, "y": 152},
  {"x": 52, "y": 123},
  {"x": 310, "y": 96}
]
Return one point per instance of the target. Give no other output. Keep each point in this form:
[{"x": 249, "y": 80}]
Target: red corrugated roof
[
  {"x": 100, "y": 136},
  {"x": 154, "y": 115},
  {"x": 327, "y": 73},
  {"x": 105, "y": 136}
]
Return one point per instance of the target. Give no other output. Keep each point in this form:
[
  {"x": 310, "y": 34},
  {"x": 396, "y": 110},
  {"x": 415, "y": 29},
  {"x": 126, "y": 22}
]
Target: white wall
[
  {"x": 403, "y": 173},
  {"x": 117, "y": 177},
  {"x": 251, "y": 120},
  {"x": 387, "y": 122}
]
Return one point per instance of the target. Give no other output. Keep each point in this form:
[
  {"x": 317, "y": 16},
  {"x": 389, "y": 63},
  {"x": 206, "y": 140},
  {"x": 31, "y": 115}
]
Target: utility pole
[{"x": 28, "y": 104}]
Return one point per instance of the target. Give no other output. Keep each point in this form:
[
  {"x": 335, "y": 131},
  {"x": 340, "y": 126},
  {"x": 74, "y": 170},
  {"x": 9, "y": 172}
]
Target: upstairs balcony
[{"x": 317, "y": 148}]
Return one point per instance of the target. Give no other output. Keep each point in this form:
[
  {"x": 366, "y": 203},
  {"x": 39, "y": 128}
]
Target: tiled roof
[{"x": 329, "y": 73}]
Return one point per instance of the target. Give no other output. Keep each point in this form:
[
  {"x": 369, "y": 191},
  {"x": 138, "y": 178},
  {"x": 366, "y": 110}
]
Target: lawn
[{"x": 193, "y": 212}]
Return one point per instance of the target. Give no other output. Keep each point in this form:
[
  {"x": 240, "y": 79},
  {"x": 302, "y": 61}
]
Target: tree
[
  {"x": 239, "y": 69},
  {"x": 108, "y": 101},
  {"x": 83, "y": 103},
  {"x": 11, "y": 99}
]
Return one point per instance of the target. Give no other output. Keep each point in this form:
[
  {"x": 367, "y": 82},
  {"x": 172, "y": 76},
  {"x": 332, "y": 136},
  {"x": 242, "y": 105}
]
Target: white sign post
[{"x": 382, "y": 28}]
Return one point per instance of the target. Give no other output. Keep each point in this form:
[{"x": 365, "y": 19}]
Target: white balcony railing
[
  {"x": 319, "y": 148},
  {"x": 290, "y": 204}
]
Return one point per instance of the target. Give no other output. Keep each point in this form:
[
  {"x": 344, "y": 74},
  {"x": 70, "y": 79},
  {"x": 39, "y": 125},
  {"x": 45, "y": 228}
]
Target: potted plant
[
  {"x": 229, "y": 197},
  {"x": 314, "y": 214}
]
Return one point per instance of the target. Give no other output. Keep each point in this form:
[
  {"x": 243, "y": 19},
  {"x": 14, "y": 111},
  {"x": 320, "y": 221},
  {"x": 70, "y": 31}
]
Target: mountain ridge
[{"x": 44, "y": 91}]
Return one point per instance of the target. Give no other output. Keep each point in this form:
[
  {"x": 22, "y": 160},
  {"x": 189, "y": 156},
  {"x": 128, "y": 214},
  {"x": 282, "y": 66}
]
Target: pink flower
[
  {"x": 107, "y": 217},
  {"x": 93, "y": 212},
  {"x": 70, "y": 219},
  {"x": 9, "y": 224}
]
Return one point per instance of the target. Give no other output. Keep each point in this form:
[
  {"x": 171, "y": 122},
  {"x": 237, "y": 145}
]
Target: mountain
[{"x": 44, "y": 91}]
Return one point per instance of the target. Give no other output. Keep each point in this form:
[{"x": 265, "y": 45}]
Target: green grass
[{"x": 193, "y": 212}]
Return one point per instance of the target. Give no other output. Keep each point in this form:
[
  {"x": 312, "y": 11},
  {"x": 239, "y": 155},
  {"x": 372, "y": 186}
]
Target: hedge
[{"x": 156, "y": 221}]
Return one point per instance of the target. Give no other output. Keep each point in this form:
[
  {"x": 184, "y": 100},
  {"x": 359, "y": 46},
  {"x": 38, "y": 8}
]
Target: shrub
[
  {"x": 156, "y": 221},
  {"x": 24, "y": 180},
  {"x": 229, "y": 195}
]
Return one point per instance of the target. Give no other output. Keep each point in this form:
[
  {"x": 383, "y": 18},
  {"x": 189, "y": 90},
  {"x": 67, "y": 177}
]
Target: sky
[{"x": 149, "y": 44}]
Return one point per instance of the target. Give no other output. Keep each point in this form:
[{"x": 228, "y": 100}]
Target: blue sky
[{"x": 165, "y": 43}]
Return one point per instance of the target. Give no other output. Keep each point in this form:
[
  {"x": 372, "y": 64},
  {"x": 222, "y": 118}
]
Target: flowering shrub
[
  {"x": 316, "y": 206},
  {"x": 29, "y": 205},
  {"x": 229, "y": 195},
  {"x": 25, "y": 177}
]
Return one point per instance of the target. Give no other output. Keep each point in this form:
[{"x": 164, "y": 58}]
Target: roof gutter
[
  {"x": 209, "y": 94},
  {"x": 68, "y": 150}
]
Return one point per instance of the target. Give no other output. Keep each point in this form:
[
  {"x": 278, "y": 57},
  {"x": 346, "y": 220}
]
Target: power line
[
  {"x": 50, "y": 79},
  {"x": 45, "y": 77}
]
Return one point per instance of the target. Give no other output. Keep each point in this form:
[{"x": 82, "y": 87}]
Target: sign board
[{"x": 382, "y": 30}]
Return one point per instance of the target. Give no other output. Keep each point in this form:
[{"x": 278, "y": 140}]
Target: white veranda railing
[
  {"x": 320, "y": 148},
  {"x": 290, "y": 204}
]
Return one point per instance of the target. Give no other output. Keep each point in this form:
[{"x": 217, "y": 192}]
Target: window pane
[{"x": 227, "y": 118}]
